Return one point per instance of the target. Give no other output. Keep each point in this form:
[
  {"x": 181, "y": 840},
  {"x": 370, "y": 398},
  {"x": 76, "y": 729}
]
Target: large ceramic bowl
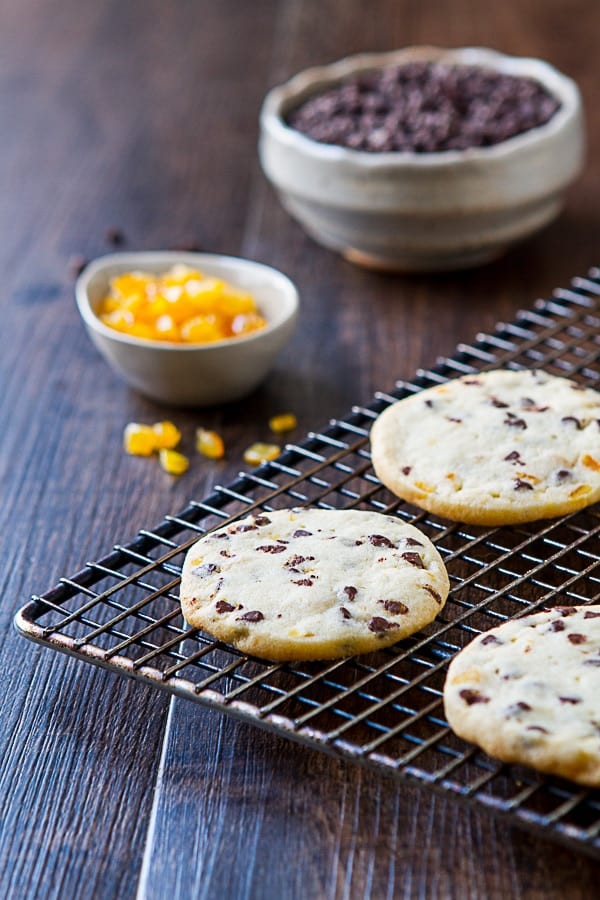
[
  {"x": 192, "y": 374},
  {"x": 423, "y": 211}
]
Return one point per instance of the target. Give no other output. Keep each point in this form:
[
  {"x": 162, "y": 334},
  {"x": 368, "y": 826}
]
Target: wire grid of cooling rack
[{"x": 383, "y": 709}]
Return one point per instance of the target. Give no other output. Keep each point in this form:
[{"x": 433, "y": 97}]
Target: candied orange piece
[
  {"x": 166, "y": 435},
  {"x": 173, "y": 462},
  {"x": 141, "y": 330},
  {"x": 139, "y": 440},
  {"x": 283, "y": 422},
  {"x": 179, "y": 274},
  {"x": 247, "y": 322},
  {"x": 202, "y": 330},
  {"x": 233, "y": 303},
  {"x": 166, "y": 329},
  {"x": 209, "y": 444},
  {"x": 590, "y": 462},
  {"x": 259, "y": 453},
  {"x": 119, "y": 319},
  {"x": 130, "y": 283}
]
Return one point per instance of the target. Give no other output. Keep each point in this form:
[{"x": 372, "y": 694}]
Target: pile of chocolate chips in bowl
[{"x": 424, "y": 107}]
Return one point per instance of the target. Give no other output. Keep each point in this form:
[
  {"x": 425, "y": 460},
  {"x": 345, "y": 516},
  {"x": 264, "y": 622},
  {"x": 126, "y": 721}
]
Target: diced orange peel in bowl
[
  {"x": 195, "y": 329},
  {"x": 181, "y": 305}
]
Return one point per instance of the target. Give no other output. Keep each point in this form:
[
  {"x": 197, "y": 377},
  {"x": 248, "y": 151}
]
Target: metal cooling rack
[{"x": 383, "y": 709}]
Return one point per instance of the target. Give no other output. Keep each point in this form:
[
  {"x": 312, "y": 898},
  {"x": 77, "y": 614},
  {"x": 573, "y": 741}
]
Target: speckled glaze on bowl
[
  {"x": 192, "y": 374},
  {"x": 423, "y": 211}
]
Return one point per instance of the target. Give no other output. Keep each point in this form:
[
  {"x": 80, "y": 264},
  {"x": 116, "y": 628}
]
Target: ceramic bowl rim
[
  {"x": 283, "y": 95},
  {"x": 134, "y": 260}
]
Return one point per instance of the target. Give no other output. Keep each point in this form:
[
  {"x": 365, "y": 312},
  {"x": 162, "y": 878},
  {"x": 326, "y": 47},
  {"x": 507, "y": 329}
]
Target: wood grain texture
[{"x": 143, "y": 116}]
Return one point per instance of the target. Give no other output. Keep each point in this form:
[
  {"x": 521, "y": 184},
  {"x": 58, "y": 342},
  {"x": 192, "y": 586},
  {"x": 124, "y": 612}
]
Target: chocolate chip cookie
[
  {"x": 527, "y": 692},
  {"x": 301, "y": 584},
  {"x": 494, "y": 448}
]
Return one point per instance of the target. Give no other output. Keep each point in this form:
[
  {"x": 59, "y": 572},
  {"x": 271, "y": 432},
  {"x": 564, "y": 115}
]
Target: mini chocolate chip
[
  {"x": 577, "y": 638},
  {"x": 222, "y": 606},
  {"x": 513, "y": 456},
  {"x": 470, "y": 697},
  {"x": 572, "y": 700},
  {"x": 414, "y": 559},
  {"x": 225, "y": 553},
  {"x": 576, "y": 422},
  {"x": 521, "y": 485},
  {"x": 254, "y": 615},
  {"x": 379, "y": 624},
  {"x": 262, "y": 520},
  {"x": 345, "y": 613},
  {"x": 271, "y": 548},
  {"x": 500, "y": 404},
  {"x": 378, "y": 540},
  {"x": 243, "y": 528},
  {"x": 406, "y": 470},
  {"x": 437, "y": 597},
  {"x": 562, "y": 475},
  {"x": 296, "y": 560},
  {"x": 591, "y": 662},
  {"x": 429, "y": 403},
  {"x": 471, "y": 381},
  {"x": 304, "y": 582},
  {"x": 517, "y": 708},
  {"x": 490, "y": 639},
  {"x": 114, "y": 236},
  {"x": 557, "y": 625},
  {"x": 350, "y": 591},
  {"x": 538, "y": 728},
  {"x": 565, "y": 611},
  {"x": 514, "y": 422},
  {"x": 453, "y": 419},
  {"x": 300, "y": 532},
  {"x": 358, "y": 543},
  {"x": 411, "y": 542},
  {"x": 395, "y": 607},
  {"x": 590, "y": 614}
]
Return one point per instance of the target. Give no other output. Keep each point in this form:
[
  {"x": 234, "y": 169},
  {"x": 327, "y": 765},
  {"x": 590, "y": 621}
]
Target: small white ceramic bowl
[
  {"x": 192, "y": 374},
  {"x": 423, "y": 211}
]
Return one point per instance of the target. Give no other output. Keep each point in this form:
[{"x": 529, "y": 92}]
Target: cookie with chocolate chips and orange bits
[
  {"x": 494, "y": 448},
  {"x": 302, "y": 584},
  {"x": 527, "y": 692}
]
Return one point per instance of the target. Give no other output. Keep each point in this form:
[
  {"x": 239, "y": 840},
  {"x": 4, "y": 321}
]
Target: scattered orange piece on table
[
  {"x": 144, "y": 440},
  {"x": 209, "y": 444},
  {"x": 167, "y": 435},
  {"x": 173, "y": 462},
  {"x": 283, "y": 422},
  {"x": 180, "y": 306},
  {"x": 259, "y": 453},
  {"x": 139, "y": 440}
]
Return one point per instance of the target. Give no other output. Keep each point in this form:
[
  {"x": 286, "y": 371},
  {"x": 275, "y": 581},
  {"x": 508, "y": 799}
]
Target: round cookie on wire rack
[
  {"x": 527, "y": 692},
  {"x": 301, "y": 584},
  {"x": 494, "y": 448}
]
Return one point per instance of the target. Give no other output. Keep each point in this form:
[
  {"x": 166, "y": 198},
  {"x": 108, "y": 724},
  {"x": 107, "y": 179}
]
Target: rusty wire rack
[{"x": 383, "y": 709}]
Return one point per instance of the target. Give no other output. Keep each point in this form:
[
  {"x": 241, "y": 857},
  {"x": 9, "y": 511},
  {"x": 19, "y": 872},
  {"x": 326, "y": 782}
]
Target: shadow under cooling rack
[{"x": 383, "y": 709}]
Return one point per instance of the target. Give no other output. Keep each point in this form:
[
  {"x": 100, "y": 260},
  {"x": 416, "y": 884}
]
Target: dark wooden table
[{"x": 142, "y": 115}]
